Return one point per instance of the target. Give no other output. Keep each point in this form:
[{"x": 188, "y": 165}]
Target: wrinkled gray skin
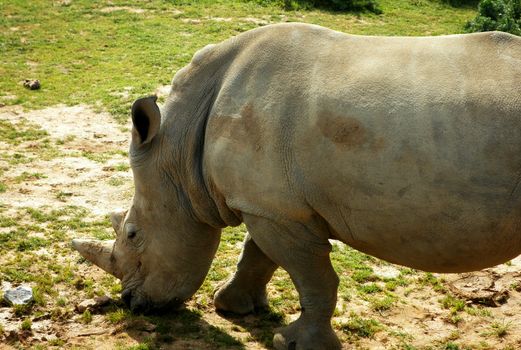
[{"x": 408, "y": 149}]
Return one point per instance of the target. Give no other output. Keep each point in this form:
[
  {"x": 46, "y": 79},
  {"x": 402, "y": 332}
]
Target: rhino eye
[{"x": 131, "y": 230}]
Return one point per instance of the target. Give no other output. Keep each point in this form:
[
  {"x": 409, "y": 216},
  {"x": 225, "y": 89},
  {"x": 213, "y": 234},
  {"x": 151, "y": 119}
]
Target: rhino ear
[{"x": 146, "y": 120}]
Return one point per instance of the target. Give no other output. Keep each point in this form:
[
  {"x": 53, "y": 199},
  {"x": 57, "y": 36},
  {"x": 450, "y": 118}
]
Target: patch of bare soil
[
  {"x": 85, "y": 148},
  {"x": 493, "y": 320},
  {"x": 84, "y": 165}
]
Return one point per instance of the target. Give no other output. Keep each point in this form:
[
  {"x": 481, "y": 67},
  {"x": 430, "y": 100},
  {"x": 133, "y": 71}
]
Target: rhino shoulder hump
[{"x": 203, "y": 54}]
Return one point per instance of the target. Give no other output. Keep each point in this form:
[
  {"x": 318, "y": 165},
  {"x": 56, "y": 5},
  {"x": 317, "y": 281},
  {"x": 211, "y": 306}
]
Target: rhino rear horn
[
  {"x": 146, "y": 119},
  {"x": 97, "y": 252}
]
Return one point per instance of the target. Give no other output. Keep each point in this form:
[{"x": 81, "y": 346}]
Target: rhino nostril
[{"x": 126, "y": 296}]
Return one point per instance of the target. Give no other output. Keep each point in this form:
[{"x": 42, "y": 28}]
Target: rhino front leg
[
  {"x": 304, "y": 254},
  {"x": 246, "y": 290}
]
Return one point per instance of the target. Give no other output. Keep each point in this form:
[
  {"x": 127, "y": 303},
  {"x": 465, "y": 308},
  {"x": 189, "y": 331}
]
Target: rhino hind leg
[
  {"x": 246, "y": 290},
  {"x": 305, "y": 256}
]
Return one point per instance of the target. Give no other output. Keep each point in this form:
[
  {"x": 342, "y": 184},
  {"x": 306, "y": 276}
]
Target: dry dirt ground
[{"x": 86, "y": 168}]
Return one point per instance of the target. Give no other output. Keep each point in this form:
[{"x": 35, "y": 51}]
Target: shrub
[
  {"x": 502, "y": 15},
  {"x": 461, "y": 3},
  {"x": 336, "y": 5},
  {"x": 349, "y": 5}
]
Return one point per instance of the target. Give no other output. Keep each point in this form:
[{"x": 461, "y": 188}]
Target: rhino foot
[
  {"x": 302, "y": 335},
  {"x": 232, "y": 297}
]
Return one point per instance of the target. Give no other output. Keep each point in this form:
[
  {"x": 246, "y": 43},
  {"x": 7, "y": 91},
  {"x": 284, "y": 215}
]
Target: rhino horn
[{"x": 97, "y": 252}]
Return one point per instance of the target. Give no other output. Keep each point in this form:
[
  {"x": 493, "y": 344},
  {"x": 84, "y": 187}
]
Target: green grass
[
  {"x": 455, "y": 305},
  {"x": 127, "y": 55},
  {"x": 86, "y": 317},
  {"x": 359, "y": 327},
  {"x": 26, "y": 324},
  {"x": 25, "y": 176},
  {"x": 21, "y": 132},
  {"x": 499, "y": 329}
]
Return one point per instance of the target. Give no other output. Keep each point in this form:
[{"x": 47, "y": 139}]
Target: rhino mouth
[{"x": 140, "y": 304}]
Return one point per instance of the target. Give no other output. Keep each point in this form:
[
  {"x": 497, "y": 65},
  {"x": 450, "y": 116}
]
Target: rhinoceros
[{"x": 405, "y": 148}]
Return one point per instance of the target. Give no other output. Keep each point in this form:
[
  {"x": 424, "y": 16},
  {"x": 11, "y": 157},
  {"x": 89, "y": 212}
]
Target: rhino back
[{"x": 405, "y": 148}]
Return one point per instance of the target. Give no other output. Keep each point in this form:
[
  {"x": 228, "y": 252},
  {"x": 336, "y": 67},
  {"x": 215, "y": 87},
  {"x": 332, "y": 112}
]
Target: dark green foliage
[
  {"x": 502, "y": 15},
  {"x": 462, "y": 3},
  {"x": 349, "y": 5},
  {"x": 335, "y": 5}
]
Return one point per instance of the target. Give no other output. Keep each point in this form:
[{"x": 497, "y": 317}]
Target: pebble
[
  {"x": 92, "y": 304},
  {"x": 85, "y": 304},
  {"x": 21, "y": 295}
]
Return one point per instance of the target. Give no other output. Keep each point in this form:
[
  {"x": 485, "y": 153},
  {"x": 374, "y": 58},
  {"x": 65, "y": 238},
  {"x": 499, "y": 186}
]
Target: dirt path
[{"x": 78, "y": 167}]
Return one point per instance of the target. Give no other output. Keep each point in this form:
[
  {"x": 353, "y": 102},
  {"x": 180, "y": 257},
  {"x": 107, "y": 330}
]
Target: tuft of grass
[
  {"x": 478, "y": 311},
  {"x": 67, "y": 139},
  {"x": 382, "y": 304},
  {"x": 21, "y": 310},
  {"x": 116, "y": 181},
  {"x": 361, "y": 327},
  {"x": 26, "y": 324},
  {"x": 86, "y": 317},
  {"x": 122, "y": 167},
  {"x": 428, "y": 279},
  {"x": 57, "y": 342},
  {"x": 451, "y": 346},
  {"x": 452, "y": 303},
  {"x": 25, "y": 176},
  {"x": 364, "y": 275},
  {"x": 62, "y": 196},
  {"x": 370, "y": 288},
  {"x": 31, "y": 243},
  {"x": 499, "y": 329},
  {"x": 118, "y": 316}
]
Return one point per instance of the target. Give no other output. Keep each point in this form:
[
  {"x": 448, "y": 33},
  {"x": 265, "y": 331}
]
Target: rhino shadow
[
  {"x": 260, "y": 324},
  {"x": 183, "y": 329}
]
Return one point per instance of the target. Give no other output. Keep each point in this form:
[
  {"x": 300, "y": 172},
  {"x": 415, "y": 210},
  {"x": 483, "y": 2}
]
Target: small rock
[
  {"x": 21, "y": 295},
  {"x": 85, "y": 304},
  {"x": 32, "y": 84},
  {"x": 51, "y": 337},
  {"x": 6, "y": 285},
  {"x": 92, "y": 304}
]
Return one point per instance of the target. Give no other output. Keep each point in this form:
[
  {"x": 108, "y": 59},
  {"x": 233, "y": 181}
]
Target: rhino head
[{"x": 161, "y": 253}]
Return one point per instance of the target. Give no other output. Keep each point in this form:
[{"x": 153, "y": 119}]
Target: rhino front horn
[{"x": 97, "y": 252}]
